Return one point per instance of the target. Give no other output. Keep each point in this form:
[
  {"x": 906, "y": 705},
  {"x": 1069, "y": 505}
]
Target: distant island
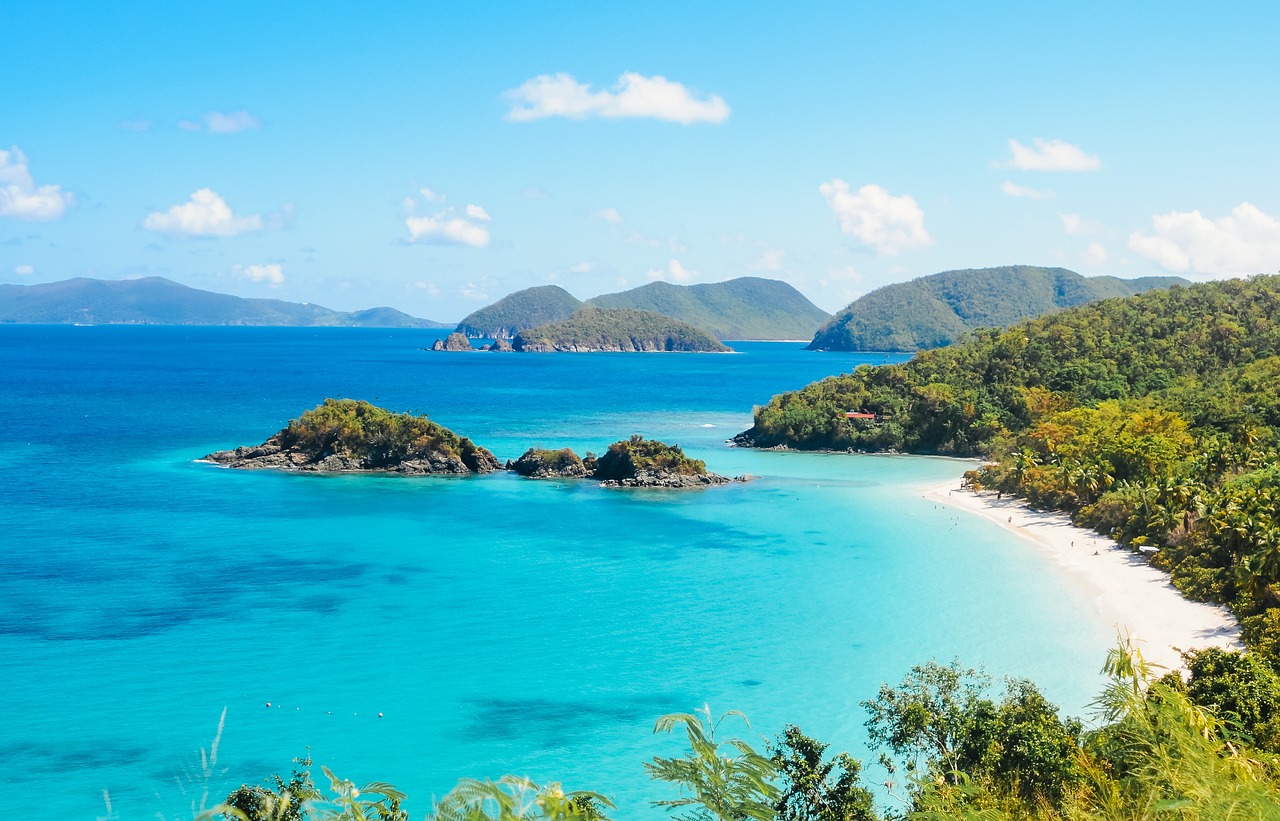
[
  {"x": 634, "y": 462},
  {"x": 742, "y": 308},
  {"x": 614, "y": 329},
  {"x": 160, "y": 301},
  {"x": 346, "y": 435},
  {"x": 936, "y": 310}
]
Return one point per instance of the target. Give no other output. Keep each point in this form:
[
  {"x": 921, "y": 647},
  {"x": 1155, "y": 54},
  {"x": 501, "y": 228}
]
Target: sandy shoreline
[{"x": 1126, "y": 591}]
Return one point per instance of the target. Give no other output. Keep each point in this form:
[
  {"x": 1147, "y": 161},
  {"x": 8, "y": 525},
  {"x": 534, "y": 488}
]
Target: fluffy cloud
[
  {"x": 560, "y": 95},
  {"x": 1246, "y": 241},
  {"x": 447, "y": 226},
  {"x": 21, "y": 198},
  {"x": 273, "y": 274},
  {"x": 675, "y": 272},
  {"x": 1014, "y": 190},
  {"x": 876, "y": 218},
  {"x": 24, "y": 270},
  {"x": 771, "y": 259},
  {"x": 206, "y": 214},
  {"x": 1050, "y": 155},
  {"x": 610, "y": 215},
  {"x": 1095, "y": 254},
  {"x": 1077, "y": 225},
  {"x": 215, "y": 122}
]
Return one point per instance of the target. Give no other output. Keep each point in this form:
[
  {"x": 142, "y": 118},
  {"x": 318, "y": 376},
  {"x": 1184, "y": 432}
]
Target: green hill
[
  {"x": 1153, "y": 419},
  {"x": 616, "y": 329},
  {"x": 933, "y": 311},
  {"x": 518, "y": 311},
  {"x": 159, "y": 301},
  {"x": 742, "y": 308}
]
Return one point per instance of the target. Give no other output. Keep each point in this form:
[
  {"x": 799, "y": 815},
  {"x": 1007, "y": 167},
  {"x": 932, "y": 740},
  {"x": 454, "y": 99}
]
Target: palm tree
[
  {"x": 724, "y": 787},
  {"x": 512, "y": 798}
]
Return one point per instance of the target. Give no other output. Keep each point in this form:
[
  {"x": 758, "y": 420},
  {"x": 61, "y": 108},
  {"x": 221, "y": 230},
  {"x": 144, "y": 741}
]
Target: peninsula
[{"x": 348, "y": 435}]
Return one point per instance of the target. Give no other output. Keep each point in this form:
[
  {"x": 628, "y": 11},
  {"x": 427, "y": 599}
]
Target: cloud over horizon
[
  {"x": 634, "y": 95},
  {"x": 1012, "y": 189},
  {"x": 21, "y": 198},
  {"x": 882, "y": 222},
  {"x": 205, "y": 214},
  {"x": 1050, "y": 155},
  {"x": 273, "y": 274},
  {"x": 1245, "y": 241},
  {"x": 446, "y": 226}
]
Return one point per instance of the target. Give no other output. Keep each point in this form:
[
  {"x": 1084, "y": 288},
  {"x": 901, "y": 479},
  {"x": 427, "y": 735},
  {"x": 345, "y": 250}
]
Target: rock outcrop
[
  {"x": 453, "y": 342},
  {"x": 549, "y": 464},
  {"x": 346, "y": 435}
]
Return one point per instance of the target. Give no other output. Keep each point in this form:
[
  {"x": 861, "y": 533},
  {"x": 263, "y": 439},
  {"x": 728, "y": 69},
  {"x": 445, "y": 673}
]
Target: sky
[{"x": 436, "y": 156}]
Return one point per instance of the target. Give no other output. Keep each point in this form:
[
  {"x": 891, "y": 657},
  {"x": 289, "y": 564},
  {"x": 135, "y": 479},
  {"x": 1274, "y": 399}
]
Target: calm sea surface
[{"x": 499, "y": 625}]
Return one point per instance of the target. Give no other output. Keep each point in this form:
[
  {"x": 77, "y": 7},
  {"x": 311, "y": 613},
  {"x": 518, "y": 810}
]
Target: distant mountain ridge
[
  {"x": 742, "y": 308},
  {"x": 933, "y": 311},
  {"x": 160, "y": 301}
]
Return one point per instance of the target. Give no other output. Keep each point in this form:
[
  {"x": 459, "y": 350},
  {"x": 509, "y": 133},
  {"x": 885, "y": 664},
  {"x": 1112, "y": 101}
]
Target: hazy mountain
[
  {"x": 517, "y": 311},
  {"x": 159, "y": 301},
  {"x": 935, "y": 310},
  {"x": 742, "y": 308}
]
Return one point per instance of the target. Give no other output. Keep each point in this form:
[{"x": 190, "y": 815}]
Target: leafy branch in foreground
[
  {"x": 512, "y": 798},
  {"x": 724, "y": 785}
]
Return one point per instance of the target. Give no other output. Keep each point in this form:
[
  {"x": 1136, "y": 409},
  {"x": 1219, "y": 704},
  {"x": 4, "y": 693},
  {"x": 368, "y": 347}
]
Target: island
[
  {"x": 617, "y": 329},
  {"x": 741, "y": 308},
  {"x": 634, "y": 462},
  {"x": 938, "y": 309},
  {"x": 349, "y": 435}
]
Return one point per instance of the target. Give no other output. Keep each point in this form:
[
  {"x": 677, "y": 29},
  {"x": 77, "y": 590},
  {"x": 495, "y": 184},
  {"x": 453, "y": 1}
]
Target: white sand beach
[{"x": 1126, "y": 591}]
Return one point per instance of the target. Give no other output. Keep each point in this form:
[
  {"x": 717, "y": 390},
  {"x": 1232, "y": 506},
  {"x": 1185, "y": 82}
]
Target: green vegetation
[
  {"x": 936, "y": 310},
  {"x": 538, "y": 463},
  {"x": 742, "y": 308},
  {"x": 516, "y": 312},
  {"x": 1154, "y": 419},
  {"x": 1156, "y": 752},
  {"x": 376, "y": 438},
  {"x": 159, "y": 301},
  {"x": 631, "y": 457},
  {"x": 601, "y": 329}
]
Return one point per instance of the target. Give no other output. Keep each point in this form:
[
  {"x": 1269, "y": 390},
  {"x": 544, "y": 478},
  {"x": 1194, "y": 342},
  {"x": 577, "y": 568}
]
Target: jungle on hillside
[{"x": 1153, "y": 418}]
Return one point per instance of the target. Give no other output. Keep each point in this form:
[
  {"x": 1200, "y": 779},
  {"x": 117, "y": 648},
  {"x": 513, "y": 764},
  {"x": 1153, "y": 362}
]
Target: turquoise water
[{"x": 499, "y": 625}]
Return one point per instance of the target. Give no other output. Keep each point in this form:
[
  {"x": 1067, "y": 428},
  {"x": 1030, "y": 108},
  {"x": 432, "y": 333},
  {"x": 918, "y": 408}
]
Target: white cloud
[
  {"x": 1077, "y": 225},
  {"x": 477, "y": 291},
  {"x": 1014, "y": 190},
  {"x": 533, "y": 192},
  {"x": 581, "y": 268},
  {"x": 273, "y": 273},
  {"x": 206, "y": 214},
  {"x": 216, "y": 122},
  {"x": 1095, "y": 254},
  {"x": 675, "y": 272},
  {"x": 447, "y": 226},
  {"x": 24, "y": 270},
  {"x": 610, "y": 215},
  {"x": 1246, "y": 241},
  {"x": 772, "y": 259},
  {"x": 233, "y": 123},
  {"x": 431, "y": 288},
  {"x": 21, "y": 198},
  {"x": 635, "y": 95},
  {"x": 876, "y": 218},
  {"x": 1050, "y": 155}
]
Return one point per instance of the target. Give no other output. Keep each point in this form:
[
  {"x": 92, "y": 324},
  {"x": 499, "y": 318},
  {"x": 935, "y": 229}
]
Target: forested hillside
[
  {"x": 936, "y": 310},
  {"x": 1154, "y": 418},
  {"x": 518, "y": 311}
]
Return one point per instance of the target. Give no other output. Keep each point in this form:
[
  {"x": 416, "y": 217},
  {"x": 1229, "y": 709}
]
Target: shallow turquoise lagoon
[{"x": 499, "y": 625}]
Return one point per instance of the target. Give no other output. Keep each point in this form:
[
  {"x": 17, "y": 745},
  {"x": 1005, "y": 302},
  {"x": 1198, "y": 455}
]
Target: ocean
[{"x": 420, "y": 630}]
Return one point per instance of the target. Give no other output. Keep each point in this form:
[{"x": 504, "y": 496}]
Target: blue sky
[{"x": 434, "y": 156}]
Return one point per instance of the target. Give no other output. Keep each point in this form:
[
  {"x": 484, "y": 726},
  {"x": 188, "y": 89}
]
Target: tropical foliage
[
  {"x": 523, "y": 309},
  {"x": 629, "y": 457},
  {"x": 1153, "y": 419},
  {"x": 374, "y": 436}
]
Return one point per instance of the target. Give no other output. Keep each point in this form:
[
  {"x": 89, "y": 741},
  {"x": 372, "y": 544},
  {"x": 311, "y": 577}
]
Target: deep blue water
[{"x": 499, "y": 625}]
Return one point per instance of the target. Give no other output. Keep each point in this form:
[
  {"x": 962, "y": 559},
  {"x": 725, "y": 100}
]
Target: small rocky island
[
  {"x": 348, "y": 435},
  {"x": 617, "y": 329},
  {"x": 634, "y": 462}
]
